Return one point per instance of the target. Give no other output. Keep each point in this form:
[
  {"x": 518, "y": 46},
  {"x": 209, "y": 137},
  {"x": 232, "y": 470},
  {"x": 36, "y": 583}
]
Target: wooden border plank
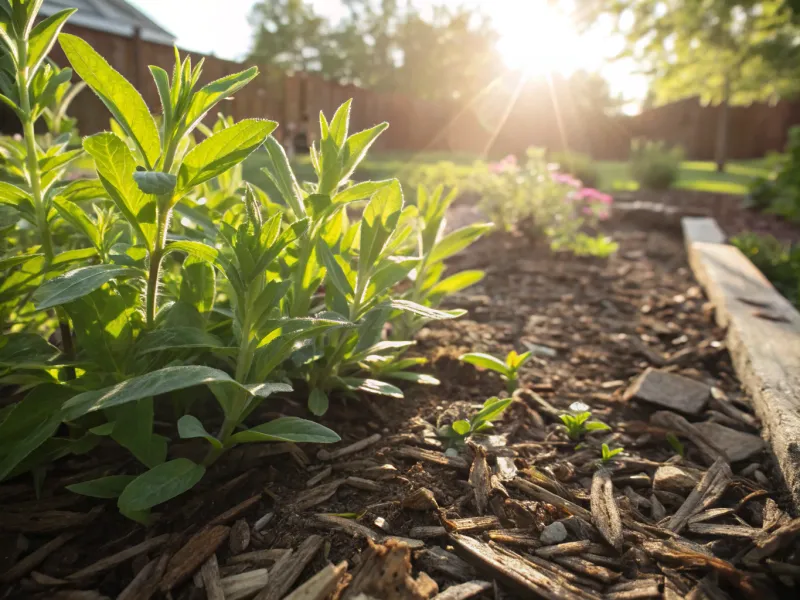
[{"x": 763, "y": 339}]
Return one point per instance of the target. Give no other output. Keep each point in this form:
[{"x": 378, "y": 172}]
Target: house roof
[{"x": 112, "y": 16}]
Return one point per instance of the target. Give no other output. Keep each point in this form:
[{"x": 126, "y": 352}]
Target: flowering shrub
[{"x": 537, "y": 197}]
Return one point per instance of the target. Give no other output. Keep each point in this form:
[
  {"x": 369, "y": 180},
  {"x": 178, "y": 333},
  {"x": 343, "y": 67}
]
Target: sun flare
[{"x": 538, "y": 38}]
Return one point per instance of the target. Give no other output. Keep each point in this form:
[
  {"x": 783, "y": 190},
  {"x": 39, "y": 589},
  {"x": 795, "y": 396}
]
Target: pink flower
[
  {"x": 565, "y": 179},
  {"x": 603, "y": 215},
  {"x": 596, "y": 195},
  {"x": 587, "y": 210}
]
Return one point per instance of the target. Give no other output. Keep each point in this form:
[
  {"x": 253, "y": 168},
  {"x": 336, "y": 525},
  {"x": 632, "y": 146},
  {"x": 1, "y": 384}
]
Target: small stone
[
  {"x": 673, "y": 479},
  {"x": 670, "y": 391},
  {"x": 239, "y": 539},
  {"x": 555, "y": 533},
  {"x": 737, "y": 445}
]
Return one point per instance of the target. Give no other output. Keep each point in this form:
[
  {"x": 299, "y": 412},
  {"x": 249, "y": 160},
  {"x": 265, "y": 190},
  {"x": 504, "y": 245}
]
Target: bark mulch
[{"x": 693, "y": 507}]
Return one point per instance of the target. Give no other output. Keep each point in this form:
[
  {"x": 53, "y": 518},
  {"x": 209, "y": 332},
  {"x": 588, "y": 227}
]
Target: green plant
[
  {"x": 654, "y": 165},
  {"x": 578, "y": 165},
  {"x": 780, "y": 194},
  {"x": 509, "y": 369},
  {"x": 780, "y": 262},
  {"x": 577, "y": 422},
  {"x": 459, "y": 431},
  {"x": 607, "y": 455},
  {"x": 676, "y": 444}
]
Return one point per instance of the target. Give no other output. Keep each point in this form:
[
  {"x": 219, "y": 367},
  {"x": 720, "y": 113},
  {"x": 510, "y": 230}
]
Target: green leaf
[
  {"x": 11, "y": 194},
  {"x": 424, "y": 311},
  {"x": 20, "y": 349},
  {"x": 461, "y": 427},
  {"x": 155, "y": 182},
  {"x": 360, "y": 191},
  {"x": 318, "y": 402},
  {"x": 82, "y": 190},
  {"x": 198, "y": 284},
  {"x": 160, "y": 484},
  {"x": 596, "y": 426},
  {"x": 356, "y": 147},
  {"x": 418, "y": 378},
  {"x": 491, "y": 410},
  {"x": 190, "y": 427},
  {"x": 74, "y": 215},
  {"x": 69, "y": 256},
  {"x": 223, "y": 150},
  {"x": 44, "y": 35},
  {"x": 206, "y": 97},
  {"x": 115, "y": 167},
  {"x": 456, "y": 283},
  {"x": 77, "y": 283},
  {"x": 485, "y": 361},
  {"x": 176, "y": 337},
  {"x": 199, "y": 251},
  {"x": 7, "y": 262},
  {"x": 119, "y": 96},
  {"x": 458, "y": 240},
  {"x": 335, "y": 272},
  {"x": 340, "y": 123},
  {"x": 103, "y": 487},
  {"x": 280, "y": 172},
  {"x": 372, "y": 386},
  {"x": 288, "y": 429},
  {"x": 378, "y": 223},
  {"x": 154, "y": 383}
]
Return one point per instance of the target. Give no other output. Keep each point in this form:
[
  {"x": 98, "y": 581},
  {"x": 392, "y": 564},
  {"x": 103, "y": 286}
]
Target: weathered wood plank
[
  {"x": 702, "y": 229},
  {"x": 763, "y": 339}
]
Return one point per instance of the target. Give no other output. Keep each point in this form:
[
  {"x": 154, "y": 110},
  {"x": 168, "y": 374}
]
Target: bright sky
[{"x": 535, "y": 36}]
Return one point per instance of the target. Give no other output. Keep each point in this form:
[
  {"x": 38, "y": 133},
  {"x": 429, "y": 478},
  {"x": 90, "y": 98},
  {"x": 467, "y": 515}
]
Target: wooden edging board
[{"x": 763, "y": 338}]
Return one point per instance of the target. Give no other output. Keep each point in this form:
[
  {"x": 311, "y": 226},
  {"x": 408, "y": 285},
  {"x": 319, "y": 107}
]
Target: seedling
[
  {"x": 509, "y": 369},
  {"x": 578, "y": 423},
  {"x": 676, "y": 444},
  {"x": 459, "y": 431},
  {"x": 607, "y": 454}
]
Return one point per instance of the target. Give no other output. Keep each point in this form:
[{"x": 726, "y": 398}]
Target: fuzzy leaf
[
  {"x": 76, "y": 284},
  {"x": 159, "y": 484},
  {"x": 190, "y": 427},
  {"x": 456, "y": 241},
  {"x": 485, "y": 361},
  {"x": 288, "y": 429},
  {"x": 103, "y": 487},
  {"x": 155, "y": 182},
  {"x": 318, "y": 402}
]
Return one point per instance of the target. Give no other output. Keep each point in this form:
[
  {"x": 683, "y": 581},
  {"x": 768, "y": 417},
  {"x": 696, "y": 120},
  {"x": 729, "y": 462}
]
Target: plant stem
[{"x": 156, "y": 256}]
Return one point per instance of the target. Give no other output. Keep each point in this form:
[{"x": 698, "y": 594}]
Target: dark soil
[{"x": 594, "y": 325}]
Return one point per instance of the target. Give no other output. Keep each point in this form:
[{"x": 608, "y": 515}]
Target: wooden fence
[{"x": 511, "y": 117}]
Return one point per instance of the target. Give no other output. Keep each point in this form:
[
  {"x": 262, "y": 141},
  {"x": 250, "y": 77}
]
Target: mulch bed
[{"x": 518, "y": 514}]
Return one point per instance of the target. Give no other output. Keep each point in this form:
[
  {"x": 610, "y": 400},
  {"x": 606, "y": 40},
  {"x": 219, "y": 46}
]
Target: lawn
[{"x": 701, "y": 176}]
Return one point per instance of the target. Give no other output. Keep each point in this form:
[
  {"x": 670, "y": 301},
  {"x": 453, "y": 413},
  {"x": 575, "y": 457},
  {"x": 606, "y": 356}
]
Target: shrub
[
  {"x": 779, "y": 262},
  {"x": 654, "y": 165},
  {"x": 580, "y": 166},
  {"x": 780, "y": 193},
  {"x": 241, "y": 298}
]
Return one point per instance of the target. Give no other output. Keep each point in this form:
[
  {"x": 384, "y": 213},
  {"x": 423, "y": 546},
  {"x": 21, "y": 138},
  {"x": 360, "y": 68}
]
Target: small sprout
[
  {"x": 676, "y": 444},
  {"x": 607, "y": 453},
  {"x": 578, "y": 423},
  {"x": 459, "y": 431},
  {"x": 509, "y": 369}
]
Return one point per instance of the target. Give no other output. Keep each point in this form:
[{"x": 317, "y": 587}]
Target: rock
[
  {"x": 737, "y": 445},
  {"x": 674, "y": 479},
  {"x": 555, "y": 533},
  {"x": 670, "y": 391}
]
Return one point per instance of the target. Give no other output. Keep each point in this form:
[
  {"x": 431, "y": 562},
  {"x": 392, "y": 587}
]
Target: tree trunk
[{"x": 721, "y": 154}]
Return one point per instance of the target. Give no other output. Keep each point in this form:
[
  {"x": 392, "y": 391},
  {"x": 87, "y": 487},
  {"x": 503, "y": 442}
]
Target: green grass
[{"x": 700, "y": 176}]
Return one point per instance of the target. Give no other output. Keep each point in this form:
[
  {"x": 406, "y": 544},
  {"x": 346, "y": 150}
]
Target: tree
[
  {"x": 724, "y": 51},
  {"x": 287, "y": 35}
]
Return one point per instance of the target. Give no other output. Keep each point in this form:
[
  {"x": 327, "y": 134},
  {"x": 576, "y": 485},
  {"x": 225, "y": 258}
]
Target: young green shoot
[
  {"x": 458, "y": 432},
  {"x": 676, "y": 444},
  {"x": 508, "y": 370},
  {"x": 607, "y": 454},
  {"x": 577, "y": 422}
]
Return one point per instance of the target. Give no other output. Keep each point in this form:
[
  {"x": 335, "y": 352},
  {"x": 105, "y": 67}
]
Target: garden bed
[{"x": 693, "y": 524}]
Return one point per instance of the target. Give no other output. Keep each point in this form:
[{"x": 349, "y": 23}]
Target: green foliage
[
  {"x": 780, "y": 193},
  {"x": 654, "y": 165},
  {"x": 580, "y": 166},
  {"x": 509, "y": 369},
  {"x": 458, "y": 432},
  {"x": 676, "y": 444},
  {"x": 577, "y": 422},
  {"x": 607, "y": 455},
  {"x": 780, "y": 262},
  {"x": 177, "y": 289}
]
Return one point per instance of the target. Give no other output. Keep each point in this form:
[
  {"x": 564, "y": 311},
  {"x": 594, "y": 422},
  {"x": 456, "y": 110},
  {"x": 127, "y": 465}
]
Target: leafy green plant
[
  {"x": 780, "y": 262},
  {"x": 654, "y": 165},
  {"x": 458, "y": 432},
  {"x": 580, "y": 166},
  {"x": 607, "y": 454},
  {"x": 780, "y": 193},
  {"x": 509, "y": 369},
  {"x": 577, "y": 422},
  {"x": 676, "y": 444}
]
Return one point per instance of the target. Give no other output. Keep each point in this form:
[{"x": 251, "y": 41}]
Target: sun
[{"x": 538, "y": 38}]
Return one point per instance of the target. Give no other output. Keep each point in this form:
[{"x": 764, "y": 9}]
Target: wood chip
[
  {"x": 209, "y": 573},
  {"x": 708, "y": 490},
  {"x": 605, "y": 513},
  {"x": 565, "y": 549},
  {"x": 46, "y": 522},
  {"x": 244, "y": 585},
  {"x": 420, "y": 499},
  {"x": 317, "y": 495},
  {"x": 145, "y": 584},
  {"x": 323, "y": 474},
  {"x": 259, "y": 557},
  {"x": 363, "y": 484},
  {"x": 539, "y": 493},
  {"x": 235, "y": 512},
  {"x": 109, "y": 562},
  {"x": 768, "y": 545},
  {"x": 472, "y": 524},
  {"x": 192, "y": 556},
  {"x": 525, "y": 538},
  {"x": 736, "y": 444},
  {"x": 585, "y": 567},
  {"x": 348, "y": 526},
  {"x": 480, "y": 479},
  {"x": 239, "y": 539},
  {"x": 464, "y": 591},
  {"x": 426, "y": 532},
  {"x": 321, "y": 585},
  {"x": 432, "y": 456},
  {"x": 351, "y": 449},
  {"x": 439, "y": 560},
  {"x": 721, "y": 402},
  {"x": 285, "y": 572},
  {"x": 263, "y": 521},
  {"x": 674, "y": 422},
  {"x": 670, "y": 391},
  {"x": 35, "y": 558},
  {"x": 718, "y": 530},
  {"x": 385, "y": 572}
]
